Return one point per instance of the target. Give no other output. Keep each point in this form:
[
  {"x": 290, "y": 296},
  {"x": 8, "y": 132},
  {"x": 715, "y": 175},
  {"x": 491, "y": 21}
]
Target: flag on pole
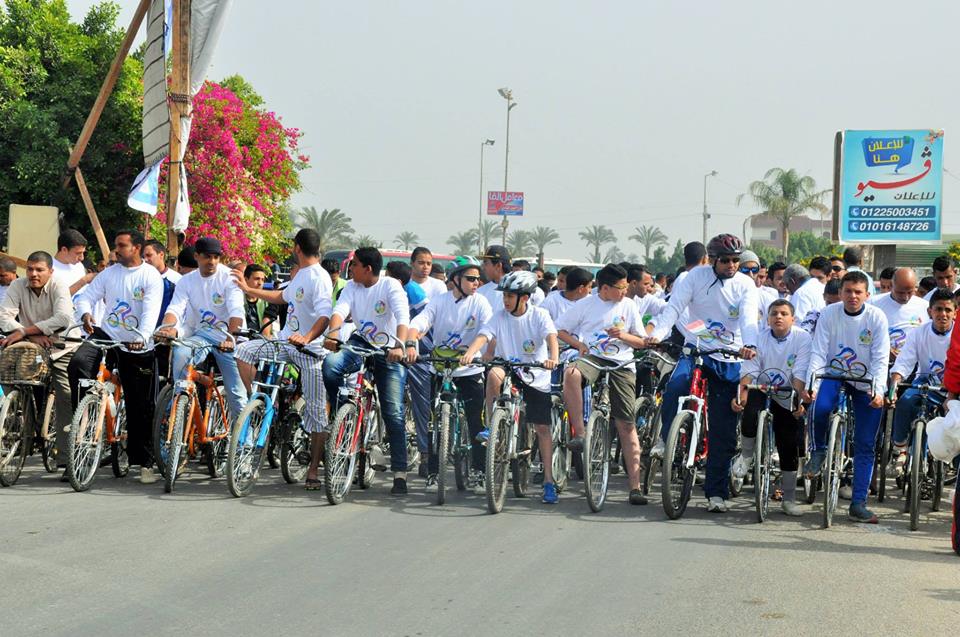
[{"x": 146, "y": 190}]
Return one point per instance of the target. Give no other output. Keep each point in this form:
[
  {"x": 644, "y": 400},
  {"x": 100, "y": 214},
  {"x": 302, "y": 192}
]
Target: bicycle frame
[
  {"x": 697, "y": 402},
  {"x": 108, "y": 383},
  {"x": 198, "y": 422}
]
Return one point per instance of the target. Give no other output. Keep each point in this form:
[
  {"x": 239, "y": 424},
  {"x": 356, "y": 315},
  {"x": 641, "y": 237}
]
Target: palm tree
[
  {"x": 487, "y": 230},
  {"x": 596, "y": 237},
  {"x": 542, "y": 236},
  {"x": 614, "y": 255},
  {"x": 366, "y": 241},
  {"x": 649, "y": 237},
  {"x": 334, "y": 227},
  {"x": 519, "y": 242},
  {"x": 463, "y": 242},
  {"x": 406, "y": 240},
  {"x": 784, "y": 194}
]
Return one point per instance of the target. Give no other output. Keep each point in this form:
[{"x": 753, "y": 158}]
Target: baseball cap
[
  {"x": 749, "y": 255},
  {"x": 208, "y": 245},
  {"x": 497, "y": 254}
]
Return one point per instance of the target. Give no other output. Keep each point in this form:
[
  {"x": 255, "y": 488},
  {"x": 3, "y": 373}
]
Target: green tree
[
  {"x": 406, "y": 240},
  {"x": 489, "y": 228},
  {"x": 660, "y": 262},
  {"x": 463, "y": 242},
  {"x": 519, "y": 243},
  {"x": 51, "y": 70},
  {"x": 614, "y": 255},
  {"x": 366, "y": 241},
  {"x": 785, "y": 194},
  {"x": 596, "y": 237},
  {"x": 334, "y": 227},
  {"x": 804, "y": 245},
  {"x": 542, "y": 236},
  {"x": 649, "y": 237}
]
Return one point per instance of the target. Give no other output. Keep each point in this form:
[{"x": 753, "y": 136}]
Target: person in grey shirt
[{"x": 35, "y": 308}]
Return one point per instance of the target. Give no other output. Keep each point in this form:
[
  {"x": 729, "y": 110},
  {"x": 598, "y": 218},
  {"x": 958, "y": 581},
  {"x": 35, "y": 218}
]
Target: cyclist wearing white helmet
[
  {"x": 523, "y": 334},
  {"x": 455, "y": 318},
  {"x": 723, "y": 305}
]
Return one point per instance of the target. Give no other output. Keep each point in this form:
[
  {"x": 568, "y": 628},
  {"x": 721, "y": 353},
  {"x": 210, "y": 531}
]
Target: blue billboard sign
[{"x": 891, "y": 187}]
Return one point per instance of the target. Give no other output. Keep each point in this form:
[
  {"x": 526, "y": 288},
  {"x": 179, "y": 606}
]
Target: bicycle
[
  {"x": 839, "y": 461},
  {"x": 100, "y": 417},
  {"x": 449, "y": 436},
  {"x": 187, "y": 425},
  {"x": 685, "y": 451},
  {"x": 765, "y": 470},
  {"x": 646, "y": 411},
  {"x": 598, "y": 436},
  {"x": 27, "y": 372},
  {"x": 508, "y": 443},
  {"x": 357, "y": 429},
  {"x": 272, "y": 400},
  {"x": 925, "y": 474}
]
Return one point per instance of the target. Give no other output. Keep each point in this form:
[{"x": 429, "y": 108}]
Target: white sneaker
[
  {"x": 716, "y": 505},
  {"x": 846, "y": 493},
  {"x": 147, "y": 476},
  {"x": 791, "y": 508},
  {"x": 742, "y": 465},
  {"x": 657, "y": 450},
  {"x": 431, "y": 485}
]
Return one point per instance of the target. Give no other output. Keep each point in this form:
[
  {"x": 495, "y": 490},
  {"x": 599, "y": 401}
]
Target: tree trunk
[
  {"x": 540, "y": 258},
  {"x": 786, "y": 240}
]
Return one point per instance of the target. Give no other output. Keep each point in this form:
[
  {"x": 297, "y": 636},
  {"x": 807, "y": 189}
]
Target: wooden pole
[
  {"x": 92, "y": 213},
  {"x": 180, "y": 101},
  {"x": 105, "y": 90}
]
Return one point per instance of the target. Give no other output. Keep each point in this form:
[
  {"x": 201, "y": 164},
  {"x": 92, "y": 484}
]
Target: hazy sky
[{"x": 622, "y": 106}]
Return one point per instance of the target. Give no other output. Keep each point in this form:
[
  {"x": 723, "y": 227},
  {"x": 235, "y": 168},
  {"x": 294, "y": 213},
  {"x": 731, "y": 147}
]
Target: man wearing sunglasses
[
  {"x": 723, "y": 304},
  {"x": 750, "y": 265},
  {"x": 806, "y": 296},
  {"x": 837, "y": 268}
]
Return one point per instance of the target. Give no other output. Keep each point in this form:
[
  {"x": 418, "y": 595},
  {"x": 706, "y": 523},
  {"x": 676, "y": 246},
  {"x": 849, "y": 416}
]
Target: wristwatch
[{"x": 411, "y": 344}]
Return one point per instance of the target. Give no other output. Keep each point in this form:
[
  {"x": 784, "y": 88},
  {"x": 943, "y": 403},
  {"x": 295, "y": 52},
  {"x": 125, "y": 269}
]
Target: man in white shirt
[
  {"x": 945, "y": 273},
  {"x": 853, "y": 261},
  {"x": 806, "y": 295},
  {"x": 640, "y": 291},
  {"x": 577, "y": 282},
  {"x": 206, "y": 304},
  {"x": 381, "y": 314},
  {"x": 155, "y": 253},
  {"x": 133, "y": 293},
  {"x": 905, "y": 311},
  {"x": 8, "y": 274},
  {"x": 496, "y": 263},
  {"x": 308, "y": 297},
  {"x": 750, "y": 265},
  {"x": 851, "y": 340}
]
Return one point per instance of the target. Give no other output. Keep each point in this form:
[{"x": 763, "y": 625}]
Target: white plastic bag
[{"x": 943, "y": 434}]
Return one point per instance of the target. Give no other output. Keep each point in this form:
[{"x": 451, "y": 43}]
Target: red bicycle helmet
[{"x": 724, "y": 245}]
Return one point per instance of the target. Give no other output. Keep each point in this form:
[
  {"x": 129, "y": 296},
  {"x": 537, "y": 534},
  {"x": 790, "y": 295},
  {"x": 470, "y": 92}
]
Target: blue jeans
[
  {"x": 866, "y": 424},
  {"x": 722, "y": 380},
  {"x": 390, "y": 379},
  {"x": 908, "y": 406},
  {"x": 236, "y": 393},
  {"x": 420, "y": 383}
]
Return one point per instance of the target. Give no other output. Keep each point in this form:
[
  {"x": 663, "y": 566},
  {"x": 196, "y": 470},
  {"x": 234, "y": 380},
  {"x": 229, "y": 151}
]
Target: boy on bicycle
[
  {"x": 852, "y": 339},
  {"x": 456, "y": 318},
  {"x": 783, "y": 354},
  {"x": 605, "y": 328},
  {"x": 523, "y": 334},
  {"x": 924, "y": 350}
]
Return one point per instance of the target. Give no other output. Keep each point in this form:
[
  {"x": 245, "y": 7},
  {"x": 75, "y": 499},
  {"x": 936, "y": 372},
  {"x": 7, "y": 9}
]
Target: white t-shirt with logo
[
  {"x": 494, "y": 296},
  {"x": 592, "y": 317},
  {"x": 852, "y": 345},
  {"x": 556, "y": 305},
  {"x": 779, "y": 361},
  {"x": 902, "y": 318},
  {"x": 455, "y": 324},
  {"x": 212, "y": 301},
  {"x": 925, "y": 351},
  {"x": 433, "y": 287},
  {"x": 807, "y": 303},
  {"x": 523, "y": 339},
  {"x": 133, "y": 298},
  {"x": 308, "y": 296},
  {"x": 376, "y": 310}
]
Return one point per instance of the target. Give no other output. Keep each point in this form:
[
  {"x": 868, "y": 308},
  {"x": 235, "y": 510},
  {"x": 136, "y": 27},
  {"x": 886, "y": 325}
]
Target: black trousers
[
  {"x": 136, "y": 377},
  {"x": 785, "y": 428}
]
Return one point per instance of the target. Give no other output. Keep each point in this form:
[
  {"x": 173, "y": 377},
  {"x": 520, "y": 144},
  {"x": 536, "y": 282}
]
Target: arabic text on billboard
[
  {"x": 891, "y": 186},
  {"x": 505, "y": 203}
]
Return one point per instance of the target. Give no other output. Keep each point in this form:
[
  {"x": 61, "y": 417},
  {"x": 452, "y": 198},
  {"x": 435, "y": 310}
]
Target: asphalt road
[{"x": 126, "y": 558}]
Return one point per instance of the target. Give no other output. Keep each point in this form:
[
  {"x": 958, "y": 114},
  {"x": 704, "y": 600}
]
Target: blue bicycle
[{"x": 250, "y": 433}]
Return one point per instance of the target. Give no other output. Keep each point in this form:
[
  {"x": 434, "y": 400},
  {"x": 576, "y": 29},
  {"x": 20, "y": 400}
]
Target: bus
[
  {"x": 554, "y": 265},
  {"x": 343, "y": 257}
]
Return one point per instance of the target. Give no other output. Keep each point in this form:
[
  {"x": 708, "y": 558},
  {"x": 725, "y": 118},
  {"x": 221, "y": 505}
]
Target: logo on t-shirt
[
  {"x": 619, "y": 321},
  {"x": 936, "y": 371},
  {"x": 865, "y": 337},
  {"x": 791, "y": 359},
  {"x": 122, "y": 314},
  {"x": 916, "y": 321},
  {"x": 846, "y": 362},
  {"x": 217, "y": 298},
  {"x": 528, "y": 346},
  {"x": 210, "y": 319},
  {"x": 298, "y": 295},
  {"x": 897, "y": 337},
  {"x": 453, "y": 341},
  {"x": 733, "y": 311},
  {"x": 379, "y": 308},
  {"x": 138, "y": 293},
  {"x": 471, "y": 322}
]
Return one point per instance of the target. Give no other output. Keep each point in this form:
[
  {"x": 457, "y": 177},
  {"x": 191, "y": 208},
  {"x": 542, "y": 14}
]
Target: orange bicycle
[{"x": 187, "y": 426}]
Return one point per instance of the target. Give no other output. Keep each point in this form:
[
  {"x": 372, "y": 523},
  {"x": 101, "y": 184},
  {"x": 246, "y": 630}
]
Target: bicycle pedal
[{"x": 524, "y": 453}]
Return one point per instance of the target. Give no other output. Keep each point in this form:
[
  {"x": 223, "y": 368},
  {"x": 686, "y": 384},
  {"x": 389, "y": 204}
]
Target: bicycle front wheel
[
  {"x": 85, "y": 443},
  {"x": 175, "y": 442},
  {"x": 161, "y": 414},
  {"x": 498, "y": 445},
  {"x": 15, "y": 441},
  {"x": 561, "y": 455},
  {"x": 340, "y": 456},
  {"x": 462, "y": 457},
  {"x": 217, "y": 429},
  {"x": 245, "y": 450},
  {"x": 884, "y": 458},
  {"x": 442, "y": 449},
  {"x": 677, "y": 478},
  {"x": 119, "y": 461},
  {"x": 596, "y": 447},
  {"x": 833, "y": 470},
  {"x": 938, "y": 469},
  {"x": 295, "y": 452},
  {"x": 761, "y": 466},
  {"x": 50, "y": 431},
  {"x": 917, "y": 466}
]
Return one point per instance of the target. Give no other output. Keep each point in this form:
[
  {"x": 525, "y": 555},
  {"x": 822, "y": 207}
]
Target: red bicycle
[{"x": 685, "y": 452}]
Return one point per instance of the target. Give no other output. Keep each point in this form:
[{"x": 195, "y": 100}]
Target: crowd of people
[{"x": 787, "y": 322}]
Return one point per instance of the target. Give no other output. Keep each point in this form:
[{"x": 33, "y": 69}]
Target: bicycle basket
[{"x": 24, "y": 361}]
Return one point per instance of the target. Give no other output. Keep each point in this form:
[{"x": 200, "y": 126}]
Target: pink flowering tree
[{"x": 242, "y": 165}]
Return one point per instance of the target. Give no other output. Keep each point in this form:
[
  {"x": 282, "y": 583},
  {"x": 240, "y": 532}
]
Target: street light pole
[
  {"x": 506, "y": 94},
  {"x": 480, "y": 246},
  {"x": 706, "y": 215}
]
